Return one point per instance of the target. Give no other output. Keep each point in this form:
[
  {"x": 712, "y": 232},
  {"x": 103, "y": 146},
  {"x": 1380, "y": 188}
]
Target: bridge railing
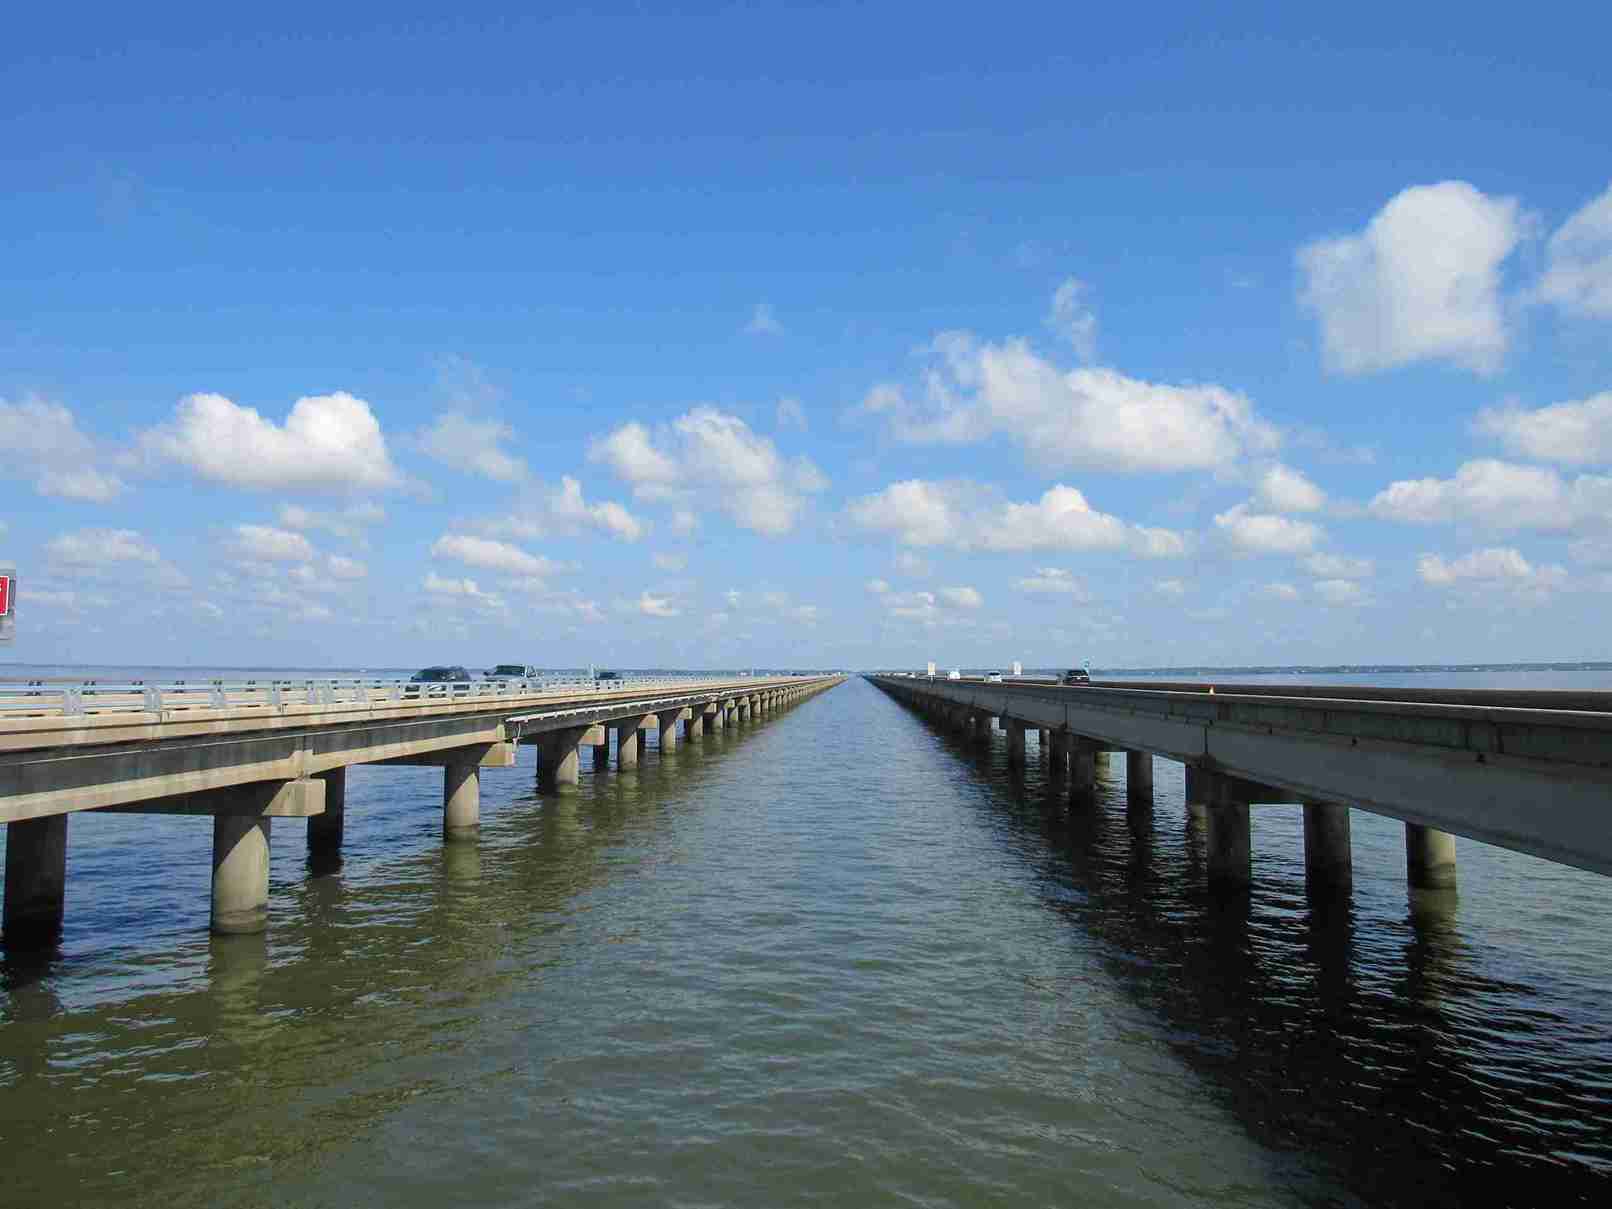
[{"x": 69, "y": 698}]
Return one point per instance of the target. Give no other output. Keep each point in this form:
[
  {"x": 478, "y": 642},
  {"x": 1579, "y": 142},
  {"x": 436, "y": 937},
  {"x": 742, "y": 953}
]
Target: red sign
[{"x": 5, "y": 595}]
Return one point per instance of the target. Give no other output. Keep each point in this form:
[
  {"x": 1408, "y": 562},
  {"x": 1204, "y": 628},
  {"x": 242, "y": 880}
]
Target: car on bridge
[
  {"x": 513, "y": 671},
  {"x": 441, "y": 674},
  {"x": 993, "y": 677},
  {"x": 601, "y": 676},
  {"x": 1076, "y": 675}
]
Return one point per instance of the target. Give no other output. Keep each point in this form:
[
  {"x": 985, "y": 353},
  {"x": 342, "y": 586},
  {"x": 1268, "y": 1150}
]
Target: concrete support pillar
[
  {"x": 1057, "y": 757},
  {"x": 1228, "y": 838},
  {"x": 717, "y": 719},
  {"x": 694, "y": 727},
  {"x": 628, "y": 744},
  {"x": 325, "y": 831},
  {"x": 557, "y": 762},
  {"x": 982, "y": 729},
  {"x": 1015, "y": 743},
  {"x": 601, "y": 754},
  {"x": 36, "y": 879},
  {"x": 1044, "y": 742},
  {"x": 241, "y": 873},
  {"x": 1429, "y": 857},
  {"x": 1139, "y": 775},
  {"x": 1198, "y": 789},
  {"x": 461, "y": 800},
  {"x": 666, "y": 729},
  {"x": 1328, "y": 860},
  {"x": 1082, "y": 767}
]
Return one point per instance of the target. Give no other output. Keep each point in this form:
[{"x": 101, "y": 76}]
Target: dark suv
[
  {"x": 439, "y": 675},
  {"x": 1076, "y": 675}
]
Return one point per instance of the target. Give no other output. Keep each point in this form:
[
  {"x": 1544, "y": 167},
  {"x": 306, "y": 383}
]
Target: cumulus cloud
[
  {"x": 669, "y": 562},
  {"x": 1500, "y": 566},
  {"x": 491, "y": 555},
  {"x": 911, "y": 564},
  {"x": 1501, "y": 496},
  {"x": 1340, "y": 592},
  {"x": 1420, "y": 283},
  {"x": 327, "y": 443},
  {"x": 711, "y": 454},
  {"x": 572, "y": 512},
  {"x": 1051, "y": 581},
  {"x": 962, "y": 598},
  {"x": 1283, "y": 489},
  {"x": 1576, "y": 433},
  {"x": 339, "y": 566},
  {"x": 1279, "y": 591},
  {"x": 1086, "y": 418},
  {"x": 473, "y": 446},
  {"x": 1073, "y": 319},
  {"x": 1578, "y": 262},
  {"x": 98, "y": 547},
  {"x": 462, "y": 590},
  {"x": 265, "y": 543},
  {"x": 764, "y": 321},
  {"x": 348, "y": 523},
  {"x": 1339, "y": 566},
  {"x": 969, "y": 516},
  {"x": 42, "y": 443},
  {"x": 1169, "y": 587},
  {"x": 878, "y": 587},
  {"x": 1264, "y": 533},
  {"x": 657, "y": 606}
]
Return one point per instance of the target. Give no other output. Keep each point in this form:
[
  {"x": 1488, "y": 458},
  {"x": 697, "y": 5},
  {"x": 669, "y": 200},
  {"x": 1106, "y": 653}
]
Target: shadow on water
[{"x": 1377, "y": 1047}]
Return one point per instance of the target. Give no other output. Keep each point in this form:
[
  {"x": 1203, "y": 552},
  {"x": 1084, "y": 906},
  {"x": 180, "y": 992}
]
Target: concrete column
[
  {"x": 694, "y": 728},
  {"x": 325, "y": 831},
  {"x": 601, "y": 754},
  {"x": 1327, "y": 851},
  {"x": 628, "y": 744},
  {"x": 241, "y": 873},
  {"x": 1015, "y": 743},
  {"x": 1429, "y": 857},
  {"x": 1082, "y": 767},
  {"x": 666, "y": 729},
  {"x": 1228, "y": 839},
  {"x": 1057, "y": 757},
  {"x": 1139, "y": 775},
  {"x": 557, "y": 762},
  {"x": 982, "y": 729},
  {"x": 719, "y": 719},
  {"x": 36, "y": 879},
  {"x": 461, "y": 800},
  {"x": 1044, "y": 742},
  {"x": 1198, "y": 789}
]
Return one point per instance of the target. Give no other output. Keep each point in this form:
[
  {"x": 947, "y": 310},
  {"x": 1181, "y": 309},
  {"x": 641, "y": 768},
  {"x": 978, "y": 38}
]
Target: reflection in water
[{"x": 831, "y": 950}]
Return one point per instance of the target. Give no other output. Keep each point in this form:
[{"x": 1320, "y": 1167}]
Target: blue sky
[{"x": 847, "y": 335}]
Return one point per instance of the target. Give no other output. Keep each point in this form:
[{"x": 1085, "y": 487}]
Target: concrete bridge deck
[
  {"x": 1530, "y": 771},
  {"x": 245, "y": 754}
]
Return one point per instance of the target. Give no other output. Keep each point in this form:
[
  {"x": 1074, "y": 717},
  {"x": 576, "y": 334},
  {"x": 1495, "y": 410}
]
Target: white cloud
[
  {"x": 1576, "y": 433},
  {"x": 791, "y": 414},
  {"x": 1169, "y": 587},
  {"x": 339, "y": 566},
  {"x": 763, "y": 321},
  {"x": 1089, "y": 418},
  {"x": 1420, "y": 283},
  {"x": 1261, "y": 533},
  {"x": 962, "y": 598},
  {"x": 1283, "y": 489},
  {"x": 264, "y": 543},
  {"x": 573, "y": 512},
  {"x": 657, "y": 606},
  {"x": 878, "y": 587},
  {"x": 684, "y": 522},
  {"x": 348, "y": 523},
  {"x": 1279, "y": 591},
  {"x": 491, "y": 555},
  {"x": 328, "y": 443},
  {"x": 1051, "y": 581},
  {"x": 1500, "y": 496},
  {"x": 1339, "y": 566},
  {"x": 669, "y": 562},
  {"x": 714, "y": 455},
  {"x": 462, "y": 589},
  {"x": 911, "y": 564},
  {"x": 968, "y": 516},
  {"x": 1500, "y": 566},
  {"x": 470, "y": 445},
  {"x": 1073, "y": 319},
  {"x": 1340, "y": 592},
  {"x": 1578, "y": 262},
  {"x": 88, "y": 548},
  {"x": 41, "y": 441}
]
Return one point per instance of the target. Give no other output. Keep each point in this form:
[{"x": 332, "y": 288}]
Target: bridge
[
  {"x": 1529, "y": 771},
  {"x": 245, "y": 754}
]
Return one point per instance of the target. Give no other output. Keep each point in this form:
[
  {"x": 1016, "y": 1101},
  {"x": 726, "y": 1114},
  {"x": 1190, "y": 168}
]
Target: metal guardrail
[{"x": 56, "y": 699}]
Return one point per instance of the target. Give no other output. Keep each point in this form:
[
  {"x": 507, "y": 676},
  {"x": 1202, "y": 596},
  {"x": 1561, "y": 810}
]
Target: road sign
[{"x": 8, "y": 602}]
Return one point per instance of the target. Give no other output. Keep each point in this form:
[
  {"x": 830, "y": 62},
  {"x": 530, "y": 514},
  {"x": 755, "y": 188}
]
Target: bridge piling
[
  {"x": 666, "y": 728},
  {"x": 1228, "y": 833},
  {"x": 1328, "y": 854},
  {"x": 1429, "y": 858},
  {"x": 558, "y": 760},
  {"x": 240, "y": 891},
  {"x": 1015, "y": 733},
  {"x": 461, "y": 799},
  {"x": 36, "y": 879},
  {"x": 326, "y": 831},
  {"x": 1139, "y": 776}
]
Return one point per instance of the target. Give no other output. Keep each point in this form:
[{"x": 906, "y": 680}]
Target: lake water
[{"x": 834, "y": 957}]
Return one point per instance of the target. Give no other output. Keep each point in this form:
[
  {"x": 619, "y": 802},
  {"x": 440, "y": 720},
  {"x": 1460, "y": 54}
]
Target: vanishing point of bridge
[{"x": 247, "y": 754}]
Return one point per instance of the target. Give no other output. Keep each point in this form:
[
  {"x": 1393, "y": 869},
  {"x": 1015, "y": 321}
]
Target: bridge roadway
[
  {"x": 1530, "y": 771},
  {"x": 246, "y": 754}
]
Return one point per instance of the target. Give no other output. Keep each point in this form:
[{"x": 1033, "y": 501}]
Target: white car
[
  {"x": 993, "y": 677},
  {"x": 954, "y": 674}
]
